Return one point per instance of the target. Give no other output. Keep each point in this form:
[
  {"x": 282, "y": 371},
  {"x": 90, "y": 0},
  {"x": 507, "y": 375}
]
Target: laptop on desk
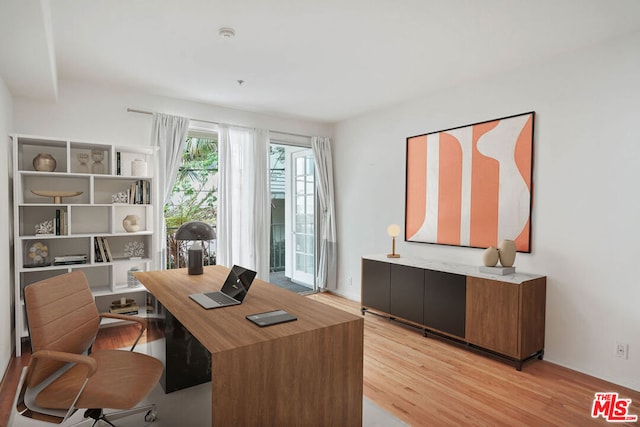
[{"x": 233, "y": 291}]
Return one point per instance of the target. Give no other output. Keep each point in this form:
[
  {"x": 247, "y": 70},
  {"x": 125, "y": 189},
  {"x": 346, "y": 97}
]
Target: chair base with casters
[
  {"x": 63, "y": 375},
  {"x": 99, "y": 415},
  {"x": 96, "y": 415}
]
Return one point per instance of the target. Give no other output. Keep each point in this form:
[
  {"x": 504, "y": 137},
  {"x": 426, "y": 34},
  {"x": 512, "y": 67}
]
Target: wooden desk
[{"x": 307, "y": 372}]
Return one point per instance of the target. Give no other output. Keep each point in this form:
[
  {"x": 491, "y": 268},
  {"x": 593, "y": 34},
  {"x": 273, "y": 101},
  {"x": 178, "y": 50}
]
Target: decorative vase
[
  {"x": 131, "y": 223},
  {"x": 138, "y": 168},
  {"x": 44, "y": 162},
  {"x": 507, "y": 252},
  {"x": 490, "y": 256}
]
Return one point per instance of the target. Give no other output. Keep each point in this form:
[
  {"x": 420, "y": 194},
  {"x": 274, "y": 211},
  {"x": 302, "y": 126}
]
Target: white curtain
[
  {"x": 244, "y": 200},
  {"x": 169, "y": 133},
  {"x": 326, "y": 276}
]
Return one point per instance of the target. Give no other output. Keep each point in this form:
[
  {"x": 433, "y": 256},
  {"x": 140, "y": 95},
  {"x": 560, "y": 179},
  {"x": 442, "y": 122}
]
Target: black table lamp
[{"x": 196, "y": 231}]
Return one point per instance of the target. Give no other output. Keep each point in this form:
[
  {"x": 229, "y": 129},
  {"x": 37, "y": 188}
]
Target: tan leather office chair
[{"x": 63, "y": 375}]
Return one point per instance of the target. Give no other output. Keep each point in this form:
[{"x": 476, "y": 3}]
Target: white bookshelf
[{"x": 84, "y": 218}]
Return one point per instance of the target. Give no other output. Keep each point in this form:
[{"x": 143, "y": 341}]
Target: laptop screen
[{"x": 238, "y": 282}]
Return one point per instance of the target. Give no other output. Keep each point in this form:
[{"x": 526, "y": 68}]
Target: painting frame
[{"x": 472, "y": 185}]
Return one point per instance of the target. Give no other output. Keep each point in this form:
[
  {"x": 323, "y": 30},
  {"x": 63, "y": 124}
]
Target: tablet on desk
[{"x": 271, "y": 318}]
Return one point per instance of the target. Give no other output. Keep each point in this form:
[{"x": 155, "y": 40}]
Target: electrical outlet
[
  {"x": 350, "y": 281},
  {"x": 622, "y": 350}
]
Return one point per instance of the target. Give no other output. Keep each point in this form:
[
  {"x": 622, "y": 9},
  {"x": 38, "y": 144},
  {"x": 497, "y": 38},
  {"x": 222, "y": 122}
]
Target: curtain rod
[{"x": 133, "y": 110}]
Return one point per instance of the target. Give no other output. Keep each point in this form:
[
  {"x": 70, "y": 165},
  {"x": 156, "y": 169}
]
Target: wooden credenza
[{"x": 504, "y": 315}]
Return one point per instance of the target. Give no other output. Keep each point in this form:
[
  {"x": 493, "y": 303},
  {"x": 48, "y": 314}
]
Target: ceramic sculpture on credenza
[
  {"x": 490, "y": 256},
  {"x": 507, "y": 252}
]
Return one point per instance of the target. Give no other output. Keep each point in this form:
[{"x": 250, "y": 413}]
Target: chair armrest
[
  {"x": 25, "y": 401},
  {"x": 61, "y": 356},
  {"x": 141, "y": 320}
]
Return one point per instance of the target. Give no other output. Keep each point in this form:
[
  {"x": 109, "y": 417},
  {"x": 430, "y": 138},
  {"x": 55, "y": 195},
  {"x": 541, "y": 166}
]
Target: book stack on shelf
[
  {"x": 124, "y": 306},
  {"x": 70, "y": 259},
  {"x": 139, "y": 193},
  {"x": 102, "y": 250}
]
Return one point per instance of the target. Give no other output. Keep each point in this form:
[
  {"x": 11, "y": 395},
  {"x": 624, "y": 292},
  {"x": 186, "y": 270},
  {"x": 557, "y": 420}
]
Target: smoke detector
[{"x": 227, "y": 33}]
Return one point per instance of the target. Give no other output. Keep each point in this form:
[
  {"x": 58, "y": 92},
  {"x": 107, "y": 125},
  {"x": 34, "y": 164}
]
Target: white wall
[
  {"x": 6, "y": 257},
  {"x": 90, "y": 112},
  {"x": 586, "y": 211}
]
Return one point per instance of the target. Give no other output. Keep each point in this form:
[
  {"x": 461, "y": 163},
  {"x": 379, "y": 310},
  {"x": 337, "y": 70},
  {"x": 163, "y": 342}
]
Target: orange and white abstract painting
[{"x": 472, "y": 185}]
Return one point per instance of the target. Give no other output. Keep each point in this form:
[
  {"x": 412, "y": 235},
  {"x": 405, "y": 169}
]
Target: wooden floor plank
[{"x": 432, "y": 382}]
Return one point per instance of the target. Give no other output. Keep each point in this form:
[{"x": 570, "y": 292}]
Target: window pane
[
  {"x": 309, "y": 245},
  {"x": 300, "y": 186},
  {"x": 310, "y": 203},
  {"x": 300, "y": 205},
  {"x": 300, "y": 223},
  {"x": 309, "y": 266},
  {"x": 194, "y": 195}
]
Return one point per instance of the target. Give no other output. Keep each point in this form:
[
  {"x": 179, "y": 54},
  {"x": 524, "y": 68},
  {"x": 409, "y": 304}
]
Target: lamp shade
[
  {"x": 393, "y": 230},
  {"x": 195, "y": 230}
]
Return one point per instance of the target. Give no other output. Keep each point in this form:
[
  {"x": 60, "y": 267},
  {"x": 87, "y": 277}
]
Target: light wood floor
[{"x": 430, "y": 382}]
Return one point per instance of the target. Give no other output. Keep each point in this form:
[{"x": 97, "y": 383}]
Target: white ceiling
[{"x": 324, "y": 60}]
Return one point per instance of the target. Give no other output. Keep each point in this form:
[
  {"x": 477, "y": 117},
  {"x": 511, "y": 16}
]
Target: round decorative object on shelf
[
  {"x": 131, "y": 223},
  {"x": 490, "y": 256},
  {"x": 36, "y": 255},
  {"x": 507, "y": 249},
  {"x": 44, "y": 162}
]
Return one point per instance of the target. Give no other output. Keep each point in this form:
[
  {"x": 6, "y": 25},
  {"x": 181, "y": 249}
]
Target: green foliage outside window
[{"x": 195, "y": 191}]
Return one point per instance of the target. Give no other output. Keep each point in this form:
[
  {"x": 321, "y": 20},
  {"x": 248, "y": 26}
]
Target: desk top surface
[{"x": 226, "y": 328}]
